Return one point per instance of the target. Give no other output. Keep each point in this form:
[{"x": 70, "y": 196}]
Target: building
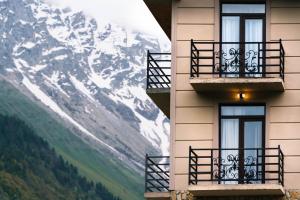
[{"x": 231, "y": 88}]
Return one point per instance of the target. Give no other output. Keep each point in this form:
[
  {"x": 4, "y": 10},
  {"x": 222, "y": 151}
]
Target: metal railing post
[
  {"x": 283, "y": 59},
  {"x": 211, "y": 165},
  {"x": 146, "y": 173},
  {"x": 279, "y": 165},
  {"x": 148, "y": 74},
  {"x": 190, "y": 165},
  {"x": 191, "y": 69},
  {"x": 282, "y": 168}
]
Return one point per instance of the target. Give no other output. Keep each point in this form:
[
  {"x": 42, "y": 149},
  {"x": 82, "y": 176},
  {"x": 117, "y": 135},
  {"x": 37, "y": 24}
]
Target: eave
[{"x": 161, "y": 10}]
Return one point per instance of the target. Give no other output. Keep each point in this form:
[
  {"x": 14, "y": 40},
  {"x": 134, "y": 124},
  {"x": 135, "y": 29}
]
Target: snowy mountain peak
[{"x": 91, "y": 76}]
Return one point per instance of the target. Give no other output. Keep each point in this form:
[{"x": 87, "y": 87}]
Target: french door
[
  {"x": 242, "y": 40},
  {"x": 242, "y": 144}
]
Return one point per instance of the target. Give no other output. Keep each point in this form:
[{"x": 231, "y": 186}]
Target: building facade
[{"x": 231, "y": 88}]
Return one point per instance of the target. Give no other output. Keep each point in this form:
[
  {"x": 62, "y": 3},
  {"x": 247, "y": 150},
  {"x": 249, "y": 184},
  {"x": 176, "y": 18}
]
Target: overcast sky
[{"x": 132, "y": 14}]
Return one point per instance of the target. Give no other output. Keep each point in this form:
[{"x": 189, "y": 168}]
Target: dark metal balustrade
[
  {"x": 157, "y": 173},
  {"x": 237, "y": 59},
  {"x": 158, "y": 70},
  {"x": 236, "y": 166}
]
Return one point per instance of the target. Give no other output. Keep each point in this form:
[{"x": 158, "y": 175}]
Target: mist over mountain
[{"x": 92, "y": 77}]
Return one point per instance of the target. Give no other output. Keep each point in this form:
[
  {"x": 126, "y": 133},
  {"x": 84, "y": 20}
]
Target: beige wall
[
  {"x": 284, "y": 110},
  {"x": 194, "y": 116},
  {"x": 194, "y": 119}
]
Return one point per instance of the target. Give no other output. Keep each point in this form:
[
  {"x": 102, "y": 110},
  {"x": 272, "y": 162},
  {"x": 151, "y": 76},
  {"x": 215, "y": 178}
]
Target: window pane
[
  {"x": 230, "y": 33},
  {"x": 243, "y": 8},
  {"x": 253, "y": 33},
  {"x": 229, "y": 139},
  {"x": 242, "y": 110}
]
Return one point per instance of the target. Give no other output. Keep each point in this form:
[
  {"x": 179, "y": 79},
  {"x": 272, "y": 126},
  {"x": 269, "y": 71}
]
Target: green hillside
[
  {"x": 30, "y": 169},
  {"x": 94, "y": 165}
]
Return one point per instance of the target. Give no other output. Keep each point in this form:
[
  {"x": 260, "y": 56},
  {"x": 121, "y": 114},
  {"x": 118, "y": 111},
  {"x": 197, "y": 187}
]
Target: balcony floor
[
  {"x": 157, "y": 195},
  {"x": 161, "y": 97},
  {"x": 237, "y": 84},
  {"x": 237, "y": 190}
]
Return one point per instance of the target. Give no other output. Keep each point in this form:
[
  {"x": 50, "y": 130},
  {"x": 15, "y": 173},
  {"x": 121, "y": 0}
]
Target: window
[
  {"x": 242, "y": 138},
  {"x": 244, "y": 8},
  {"x": 242, "y": 37}
]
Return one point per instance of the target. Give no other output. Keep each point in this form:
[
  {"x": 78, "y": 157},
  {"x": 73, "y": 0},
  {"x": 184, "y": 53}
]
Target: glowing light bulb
[{"x": 241, "y": 96}]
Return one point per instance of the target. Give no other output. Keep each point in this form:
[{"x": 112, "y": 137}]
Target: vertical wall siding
[
  {"x": 194, "y": 113},
  {"x": 284, "y": 110},
  {"x": 196, "y": 117}
]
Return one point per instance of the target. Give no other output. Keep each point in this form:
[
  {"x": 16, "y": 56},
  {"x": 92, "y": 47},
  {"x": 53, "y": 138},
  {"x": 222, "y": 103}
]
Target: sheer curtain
[
  {"x": 252, "y": 134},
  {"x": 253, "y": 139},
  {"x": 229, "y": 139},
  {"x": 253, "y": 33},
  {"x": 230, "y": 33}
]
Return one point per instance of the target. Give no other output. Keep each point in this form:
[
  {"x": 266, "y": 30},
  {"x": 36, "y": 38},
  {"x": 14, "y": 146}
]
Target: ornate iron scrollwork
[
  {"x": 231, "y": 60},
  {"x": 229, "y": 168}
]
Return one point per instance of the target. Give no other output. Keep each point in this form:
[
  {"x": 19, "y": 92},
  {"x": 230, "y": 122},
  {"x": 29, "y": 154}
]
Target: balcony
[
  {"x": 232, "y": 172},
  {"x": 157, "y": 177},
  {"x": 159, "y": 80},
  {"x": 237, "y": 66},
  {"x": 221, "y": 172}
]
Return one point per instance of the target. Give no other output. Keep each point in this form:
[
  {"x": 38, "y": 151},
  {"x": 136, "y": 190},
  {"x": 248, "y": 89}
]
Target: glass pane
[
  {"x": 242, "y": 110},
  {"x": 229, "y": 158},
  {"x": 243, "y": 8},
  {"x": 253, "y": 139},
  {"x": 253, "y": 33},
  {"x": 230, "y": 52},
  {"x": 253, "y": 133}
]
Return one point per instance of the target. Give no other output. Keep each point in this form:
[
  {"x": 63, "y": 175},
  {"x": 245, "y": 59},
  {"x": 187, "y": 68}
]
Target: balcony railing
[
  {"x": 236, "y": 166},
  {"x": 157, "y": 173},
  {"x": 158, "y": 70},
  {"x": 237, "y": 59}
]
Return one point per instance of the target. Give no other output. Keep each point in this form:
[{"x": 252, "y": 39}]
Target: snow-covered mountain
[{"x": 93, "y": 78}]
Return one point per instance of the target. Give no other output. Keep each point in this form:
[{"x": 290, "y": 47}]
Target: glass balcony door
[
  {"x": 241, "y": 144},
  {"x": 252, "y": 155},
  {"x": 242, "y": 37}
]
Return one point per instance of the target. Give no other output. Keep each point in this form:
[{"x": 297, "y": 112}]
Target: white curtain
[
  {"x": 253, "y": 33},
  {"x": 229, "y": 139},
  {"x": 230, "y": 33},
  {"x": 253, "y": 139}
]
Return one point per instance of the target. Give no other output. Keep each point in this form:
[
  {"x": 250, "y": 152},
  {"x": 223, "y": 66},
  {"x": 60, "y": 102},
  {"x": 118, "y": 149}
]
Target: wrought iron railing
[
  {"x": 157, "y": 173},
  {"x": 158, "y": 70},
  {"x": 237, "y": 59},
  {"x": 236, "y": 166}
]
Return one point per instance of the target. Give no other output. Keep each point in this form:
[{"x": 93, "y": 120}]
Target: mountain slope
[
  {"x": 30, "y": 169},
  {"x": 95, "y": 164},
  {"x": 88, "y": 81},
  {"x": 92, "y": 77}
]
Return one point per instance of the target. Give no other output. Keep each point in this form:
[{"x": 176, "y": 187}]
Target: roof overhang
[{"x": 162, "y": 11}]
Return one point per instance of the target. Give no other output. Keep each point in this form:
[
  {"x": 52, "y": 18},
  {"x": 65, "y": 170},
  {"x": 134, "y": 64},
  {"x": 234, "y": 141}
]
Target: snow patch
[
  {"x": 28, "y": 45},
  {"x": 61, "y": 57},
  {"x": 39, "y": 67},
  {"x": 34, "y": 89},
  {"x": 80, "y": 86}
]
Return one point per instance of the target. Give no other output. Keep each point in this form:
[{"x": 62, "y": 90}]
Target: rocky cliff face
[{"x": 91, "y": 77}]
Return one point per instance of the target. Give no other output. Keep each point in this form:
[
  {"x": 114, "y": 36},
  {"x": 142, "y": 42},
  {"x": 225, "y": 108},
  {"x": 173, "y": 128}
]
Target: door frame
[
  {"x": 242, "y": 119},
  {"x": 243, "y": 17}
]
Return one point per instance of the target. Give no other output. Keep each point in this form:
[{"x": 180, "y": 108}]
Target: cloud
[{"x": 132, "y": 14}]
